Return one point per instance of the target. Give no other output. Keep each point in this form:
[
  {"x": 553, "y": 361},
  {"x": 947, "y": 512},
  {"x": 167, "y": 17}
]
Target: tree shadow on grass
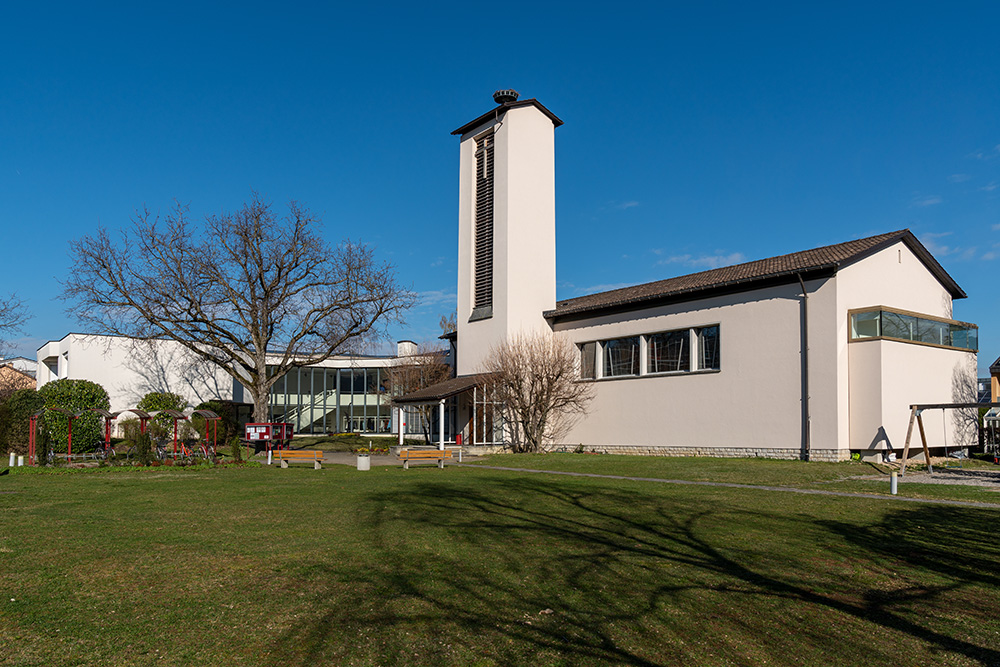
[{"x": 557, "y": 572}]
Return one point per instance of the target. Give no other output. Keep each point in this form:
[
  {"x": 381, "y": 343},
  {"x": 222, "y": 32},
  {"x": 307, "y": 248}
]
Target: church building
[{"x": 813, "y": 355}]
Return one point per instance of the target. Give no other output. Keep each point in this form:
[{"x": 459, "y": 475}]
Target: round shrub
[{"x": 75, "y": 396}]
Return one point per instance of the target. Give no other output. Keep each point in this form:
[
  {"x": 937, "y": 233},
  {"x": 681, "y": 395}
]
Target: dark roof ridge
[
  {"x": 503, "y": 108},
  {"x": 824, "y": 259}
]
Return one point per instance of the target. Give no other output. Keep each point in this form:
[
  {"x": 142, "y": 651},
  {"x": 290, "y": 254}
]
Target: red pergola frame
[{"x": 210, "y": 416}]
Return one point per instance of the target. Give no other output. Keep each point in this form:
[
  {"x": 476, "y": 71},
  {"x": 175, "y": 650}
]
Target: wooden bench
[
  {"x": 286, "y": 455},
  {"x": 439, "y": 455}
]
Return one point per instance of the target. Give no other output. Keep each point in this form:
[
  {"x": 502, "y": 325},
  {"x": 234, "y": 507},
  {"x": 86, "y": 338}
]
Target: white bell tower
[{"x": 506, "y": 226}]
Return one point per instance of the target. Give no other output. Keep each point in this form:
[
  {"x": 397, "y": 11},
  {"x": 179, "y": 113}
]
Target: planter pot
[{"x": 364, "y": 462}]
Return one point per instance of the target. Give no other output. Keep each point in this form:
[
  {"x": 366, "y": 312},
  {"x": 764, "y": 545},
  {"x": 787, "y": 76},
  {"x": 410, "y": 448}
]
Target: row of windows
[
  {"x": 665, "y": 352},
  {"x": 883, "y": 323}
]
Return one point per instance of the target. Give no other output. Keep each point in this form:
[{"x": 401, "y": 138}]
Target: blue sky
[{"x": 697, "y": 134}]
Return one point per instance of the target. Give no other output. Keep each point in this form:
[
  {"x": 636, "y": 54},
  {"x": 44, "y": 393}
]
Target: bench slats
[
  {"x": 407, "y": 455},
  {"x": 285, "y": 455}
]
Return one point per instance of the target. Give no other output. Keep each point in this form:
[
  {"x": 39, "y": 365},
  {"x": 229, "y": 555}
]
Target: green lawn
[
  {"x": 469, "y": 566},
  {"x": 768, "y": 472}
]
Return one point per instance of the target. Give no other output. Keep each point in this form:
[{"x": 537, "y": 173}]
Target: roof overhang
[
  {"x": 503, "y": 108},
  {"x": 442, "y": 390}
]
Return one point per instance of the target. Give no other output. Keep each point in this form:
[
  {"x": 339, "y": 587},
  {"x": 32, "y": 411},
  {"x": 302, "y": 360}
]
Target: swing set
[{"x": 916, "y": 416}]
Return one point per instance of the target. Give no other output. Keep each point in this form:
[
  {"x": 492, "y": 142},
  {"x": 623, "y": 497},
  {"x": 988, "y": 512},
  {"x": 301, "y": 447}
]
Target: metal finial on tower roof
[{"x": 504, "y": 96}]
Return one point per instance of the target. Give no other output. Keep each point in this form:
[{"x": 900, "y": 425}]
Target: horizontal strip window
[
  {"x": 674, "y": 352},
  {"x": 908, "y": 327}
]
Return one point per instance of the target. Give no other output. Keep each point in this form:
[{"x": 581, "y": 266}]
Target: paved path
[{"x": 787, "y": 489}]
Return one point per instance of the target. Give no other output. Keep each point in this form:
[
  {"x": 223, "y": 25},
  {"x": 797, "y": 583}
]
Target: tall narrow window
[
  {"x": 588, "y": 352},
  {"x": 483, "y": 258},
  {"x": 708, "y": 348}
]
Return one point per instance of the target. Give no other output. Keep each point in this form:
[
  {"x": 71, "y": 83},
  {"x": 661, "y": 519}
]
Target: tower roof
[{"x": 495, "y": 113}]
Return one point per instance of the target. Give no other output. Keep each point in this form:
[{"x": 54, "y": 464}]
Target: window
[
  {"x": 588, "y": 354},
  {"x": 708, "y": 348},
  {"x": 680, "y": 351},
  {"x": 894, "y": 325},
  {"x": 483, "y": 231},
  {"x": 621, "y": 357},
  {"x": 669, "y": 352}
]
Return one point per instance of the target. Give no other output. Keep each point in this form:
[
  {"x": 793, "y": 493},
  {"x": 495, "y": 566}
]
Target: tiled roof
[
  {"x": 773, "y": 270},
  {"x": 441, "y": 390}
]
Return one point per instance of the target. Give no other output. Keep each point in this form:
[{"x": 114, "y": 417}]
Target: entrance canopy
[{"x": 442, "y": 390}]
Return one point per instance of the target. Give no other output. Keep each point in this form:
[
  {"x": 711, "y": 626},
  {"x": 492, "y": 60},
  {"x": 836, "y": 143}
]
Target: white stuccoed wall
[
  {"x": 524, "y": 237},
  {"x": 879, "y": 380},
  {"x": 129, "y": 370},
  {"x": 753, "y": 402}
]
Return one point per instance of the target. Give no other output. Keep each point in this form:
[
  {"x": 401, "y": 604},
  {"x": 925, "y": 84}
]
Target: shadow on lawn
[{"x": 532, "y": 571}]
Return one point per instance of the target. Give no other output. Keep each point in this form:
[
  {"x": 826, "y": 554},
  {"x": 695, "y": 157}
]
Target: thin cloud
[
  {"x": 958, "y": 178},
  {"x": 989, "y": 256},
  {"x": 996, "y": 227},
  {"x": 436, "y": 298},
  {"x": 705, "y": 261},
  {"x": 930, "y": 200},
  {"x": 985, "y": 154},
  {"x": 939, "y": 249},
  {"x": 990, "y": 187},
  {"x": 626, "y": 205},
  {"x": 594, "y": 289}
]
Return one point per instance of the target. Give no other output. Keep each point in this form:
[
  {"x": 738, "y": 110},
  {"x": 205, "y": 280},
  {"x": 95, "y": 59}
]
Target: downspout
[{"x": 806, "y": 444}]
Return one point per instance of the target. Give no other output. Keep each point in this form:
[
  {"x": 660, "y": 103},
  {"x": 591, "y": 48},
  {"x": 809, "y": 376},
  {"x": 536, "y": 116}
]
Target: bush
[
  {"x": 228, "y": 425},
  {"x": 236, "y": 448},
  {"x": 15, "y": 419},
  {"x": 41, "y": 442},
  {"x": 75, "y": 396},
  {"x": 162, "y": 426},
  {"x": 143, "y": 449}
]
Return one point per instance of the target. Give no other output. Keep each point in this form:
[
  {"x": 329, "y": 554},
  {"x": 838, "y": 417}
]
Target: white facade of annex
[{"x": 129, "y": 369}]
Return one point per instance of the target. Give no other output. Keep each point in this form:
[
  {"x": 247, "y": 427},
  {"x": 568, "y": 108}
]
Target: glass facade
[
  {"x": 883, "y": 323},
  {"x": 333, "y": 400}
]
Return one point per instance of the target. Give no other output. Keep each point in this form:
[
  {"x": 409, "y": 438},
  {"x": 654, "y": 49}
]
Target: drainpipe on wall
[{"x": 806, "y": 445}]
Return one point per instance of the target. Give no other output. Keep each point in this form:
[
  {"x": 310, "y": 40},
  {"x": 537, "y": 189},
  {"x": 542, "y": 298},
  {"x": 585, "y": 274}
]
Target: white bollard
[
  {"x": 269, "y": 457},
  {"x": 11, "y": 464},
  {"x": 893, "y": 482},
  {"x": 20, "y": 461}
]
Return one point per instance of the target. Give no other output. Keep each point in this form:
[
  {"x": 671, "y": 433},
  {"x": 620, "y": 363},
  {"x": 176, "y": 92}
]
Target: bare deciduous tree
[
  {"x": 427, "y": 366},
  {"x": 255, "y": 294},
  {"x": 449, "y": 323},
  {"x": 536, "y": 381},
  {"x": 13, "y": 314}
]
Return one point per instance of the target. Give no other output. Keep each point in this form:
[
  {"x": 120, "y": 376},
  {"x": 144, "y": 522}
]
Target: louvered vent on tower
[{"x": 483, "y": 268}]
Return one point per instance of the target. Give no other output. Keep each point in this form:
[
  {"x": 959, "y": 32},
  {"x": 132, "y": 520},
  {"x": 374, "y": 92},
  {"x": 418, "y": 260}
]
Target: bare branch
[
  {"x": 250, "y": 292},
  {"x": 535, "y": 379}
]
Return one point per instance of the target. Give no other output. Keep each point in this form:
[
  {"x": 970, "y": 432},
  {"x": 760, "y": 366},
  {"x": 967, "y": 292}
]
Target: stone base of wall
[{"x": 830, "y": 455}]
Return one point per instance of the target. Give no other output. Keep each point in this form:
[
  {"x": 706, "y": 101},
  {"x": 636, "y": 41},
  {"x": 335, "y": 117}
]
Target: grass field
[{"x": 471, "y": 566}]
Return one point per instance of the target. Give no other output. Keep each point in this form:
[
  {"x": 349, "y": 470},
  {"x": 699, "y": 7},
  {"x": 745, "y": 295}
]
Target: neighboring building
[
  {"x": 12, "y": 378},
  {"x": 341, "y": 394},
  {"x": 23, "y": 364},
  {"x": 813, "y": 354}
]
